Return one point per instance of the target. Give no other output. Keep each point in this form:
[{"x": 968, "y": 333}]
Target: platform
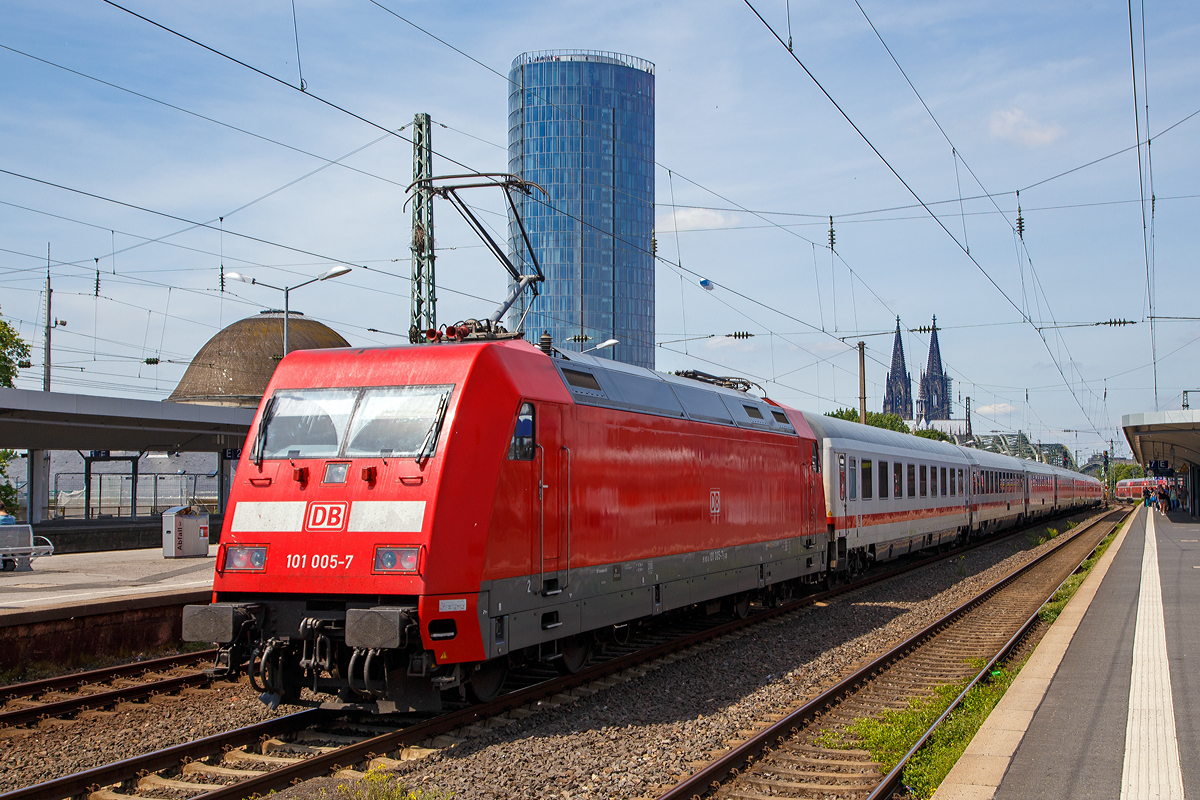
[
  {"x": 1106, "y": 706},
  {"x": 84, "y": 579}
]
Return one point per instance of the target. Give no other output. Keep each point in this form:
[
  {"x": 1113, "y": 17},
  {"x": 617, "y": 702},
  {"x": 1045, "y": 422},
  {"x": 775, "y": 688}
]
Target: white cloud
[
  {"x": 691, "y": 219},
  {"x": 1017, "y": 126},
  {"x": 996, "y": 410}
]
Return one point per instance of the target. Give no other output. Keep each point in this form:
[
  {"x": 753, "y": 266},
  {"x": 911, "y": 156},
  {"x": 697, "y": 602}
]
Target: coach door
[
  {"x": 549, "y": 495},
  {"x": 1024, "y": 477},
  {"x": 848, "y": 494}
]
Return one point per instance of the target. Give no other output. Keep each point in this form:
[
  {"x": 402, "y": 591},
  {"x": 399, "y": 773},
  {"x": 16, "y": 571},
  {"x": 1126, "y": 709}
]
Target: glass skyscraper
[{"x": 581, "y": 125}]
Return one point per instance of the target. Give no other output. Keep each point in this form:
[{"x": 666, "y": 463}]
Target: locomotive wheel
[
  {"x": 486, "y": 680},
  {"x": 741, "y": 605},
  {"x": 576, "y": 651}
]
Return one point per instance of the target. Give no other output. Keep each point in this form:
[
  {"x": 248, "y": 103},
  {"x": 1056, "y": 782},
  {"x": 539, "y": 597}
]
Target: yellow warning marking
[{"x": 443, "y": 656}]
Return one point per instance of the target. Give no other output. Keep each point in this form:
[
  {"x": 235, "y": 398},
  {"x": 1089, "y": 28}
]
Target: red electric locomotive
[{"x": 409, "y": 520}]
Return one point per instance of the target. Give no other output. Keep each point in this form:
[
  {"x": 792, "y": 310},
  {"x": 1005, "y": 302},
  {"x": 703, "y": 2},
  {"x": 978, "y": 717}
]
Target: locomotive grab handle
[
  {"x": 541, "y": 519},
  {"x": 567, "y": 578}
]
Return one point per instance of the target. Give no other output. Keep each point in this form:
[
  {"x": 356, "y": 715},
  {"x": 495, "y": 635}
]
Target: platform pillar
[{"x": 38, "y": 486}]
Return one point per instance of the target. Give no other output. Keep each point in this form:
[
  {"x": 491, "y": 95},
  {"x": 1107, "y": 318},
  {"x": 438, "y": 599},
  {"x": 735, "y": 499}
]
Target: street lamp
[
  {"x": 336, "y": 272},
  {"x": 602, "y": 346}
]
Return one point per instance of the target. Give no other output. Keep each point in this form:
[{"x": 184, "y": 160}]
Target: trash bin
[{"x": 185, "y": 532}]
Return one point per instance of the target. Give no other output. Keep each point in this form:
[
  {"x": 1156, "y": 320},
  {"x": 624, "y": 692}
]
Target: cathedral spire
[
  {"x": 933, "y": 398},
  {"x": 897, "y": 394}
]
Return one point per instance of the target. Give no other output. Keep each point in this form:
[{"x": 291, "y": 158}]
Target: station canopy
[
  {"x": 1172, "y": 436},
  {"x": 32, "y": 420}
]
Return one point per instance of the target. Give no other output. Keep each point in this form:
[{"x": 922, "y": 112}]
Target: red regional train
[
  {"x": 1130, "y": 489},
  {"x": 409, "y": 521}
]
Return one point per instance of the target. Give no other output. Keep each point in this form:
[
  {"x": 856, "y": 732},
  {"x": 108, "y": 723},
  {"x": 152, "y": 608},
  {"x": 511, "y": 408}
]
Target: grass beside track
[{"x": 890, "y": 735}]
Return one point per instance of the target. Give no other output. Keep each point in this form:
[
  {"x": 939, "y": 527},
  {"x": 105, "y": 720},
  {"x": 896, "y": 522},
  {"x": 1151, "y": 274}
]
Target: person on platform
[
  {"x": 5, "y": 517},
  {"x": 1174, "y": 499},
  {"x": 1146, "y": 496}
]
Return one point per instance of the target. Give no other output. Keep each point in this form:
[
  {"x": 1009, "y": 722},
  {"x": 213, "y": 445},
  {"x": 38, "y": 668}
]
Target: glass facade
[{"x": 581, "y": 125}]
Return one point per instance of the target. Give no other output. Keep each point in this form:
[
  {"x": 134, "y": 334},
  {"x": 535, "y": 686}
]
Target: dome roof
[{"x": 234, "y": 367}]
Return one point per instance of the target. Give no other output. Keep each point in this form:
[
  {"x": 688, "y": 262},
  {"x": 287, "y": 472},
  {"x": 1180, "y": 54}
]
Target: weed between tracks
[
  {"x": 1058, "y": 602},
  {"x": 378, "y": 784}
]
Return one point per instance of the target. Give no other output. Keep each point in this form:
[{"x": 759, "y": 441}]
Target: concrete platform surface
[
  {"x": 77, "y": 579},
  {"x": 1108, "y": 706}
]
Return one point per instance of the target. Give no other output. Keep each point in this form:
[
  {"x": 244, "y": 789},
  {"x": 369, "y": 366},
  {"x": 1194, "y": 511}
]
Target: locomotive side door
[{"x": 549, "y": 489}]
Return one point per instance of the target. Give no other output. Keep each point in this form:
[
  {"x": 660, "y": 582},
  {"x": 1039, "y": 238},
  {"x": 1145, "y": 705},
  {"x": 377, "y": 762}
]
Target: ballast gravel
[
  {"x": 636, "y": 738},
  {"x": 54, "y": 749}
]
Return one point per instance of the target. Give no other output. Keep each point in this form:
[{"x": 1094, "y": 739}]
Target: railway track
[
  {"x": 66, "y": 695},
  {"x": 274, "y": 754},
  {"x": 789, "y": 757}
]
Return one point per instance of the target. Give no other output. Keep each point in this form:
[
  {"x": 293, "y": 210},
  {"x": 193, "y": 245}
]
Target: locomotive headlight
[
  {"x": 245, "y": 559},
  {"x": 397, "y": 559}
]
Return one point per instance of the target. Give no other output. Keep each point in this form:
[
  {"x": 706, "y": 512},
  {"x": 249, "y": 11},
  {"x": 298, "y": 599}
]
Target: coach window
[
  {"x": 522, "y": 446},
  {"x": 924, "y": 480},
  {"x": 912, "y": 480},
  {"x": 897, "y": 480},
  {"x": 962, "y": 487},
  {"x": 944, "y": 480},
  {"x": 933, "y": 481},
  {"x": 866, "y": 468},
  {"x": 883, "y": 480},
  {"x": 951, "y": 482},
  {"x": 854, "y": 479}
]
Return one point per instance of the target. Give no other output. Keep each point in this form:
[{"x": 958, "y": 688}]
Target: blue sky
[{"x": 1025, "y": 91}]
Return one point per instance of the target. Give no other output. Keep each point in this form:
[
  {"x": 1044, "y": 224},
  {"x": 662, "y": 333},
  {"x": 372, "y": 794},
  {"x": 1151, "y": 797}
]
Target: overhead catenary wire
[
  {"x": 1142, "y": 191},
  {"x": 917, "y": 197}
]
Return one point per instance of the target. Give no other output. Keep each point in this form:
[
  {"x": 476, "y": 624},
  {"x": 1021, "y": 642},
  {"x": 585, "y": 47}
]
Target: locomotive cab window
[
  {"x": 522, "y": 446},
  {"x": 403, "y": 421}
]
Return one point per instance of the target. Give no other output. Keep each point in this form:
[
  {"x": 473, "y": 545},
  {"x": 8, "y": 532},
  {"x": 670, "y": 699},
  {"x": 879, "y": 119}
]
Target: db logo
[
  {"x": 330, "y": 517},
  {"x": 714, "y": 501}
]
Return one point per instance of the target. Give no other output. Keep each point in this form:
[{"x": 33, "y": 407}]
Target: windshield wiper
[
  {"x": 434, "y": 429},
  {"x": 260, "y": 441}
]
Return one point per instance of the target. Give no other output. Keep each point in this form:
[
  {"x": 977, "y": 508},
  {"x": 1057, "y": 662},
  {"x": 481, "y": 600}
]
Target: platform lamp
[
  {"x": 336, "y": 272},
  {"x": 602, "y": 346}
]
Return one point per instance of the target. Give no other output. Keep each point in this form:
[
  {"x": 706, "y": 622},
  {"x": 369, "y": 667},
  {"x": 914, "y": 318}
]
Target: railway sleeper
[
  {"x": 200, "y": 768},
  {"x": 153, "y": 781},
  {"x": 239, "y": 756}
]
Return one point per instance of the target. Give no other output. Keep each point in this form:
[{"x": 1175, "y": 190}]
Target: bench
[{"x": 18, "y": 549}]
